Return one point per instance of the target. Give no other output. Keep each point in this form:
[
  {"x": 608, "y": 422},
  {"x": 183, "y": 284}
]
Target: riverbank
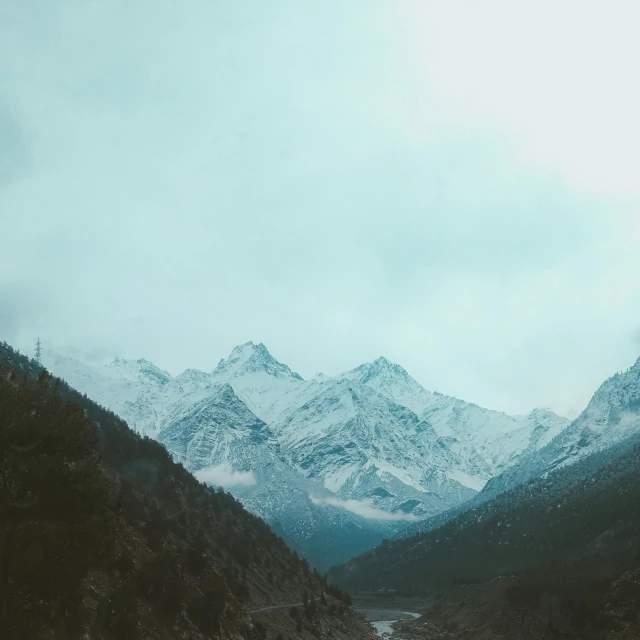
[
  {"x": 384, "y": 628},
  {"x": 384, "y": 612}
]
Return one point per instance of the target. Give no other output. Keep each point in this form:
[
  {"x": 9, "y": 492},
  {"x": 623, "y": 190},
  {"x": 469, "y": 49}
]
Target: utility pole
[{"x": 38, "y": 357}]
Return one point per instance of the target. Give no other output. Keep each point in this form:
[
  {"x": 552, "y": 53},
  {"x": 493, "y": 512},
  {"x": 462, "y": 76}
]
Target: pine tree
[{"x": 55, "y": 524}]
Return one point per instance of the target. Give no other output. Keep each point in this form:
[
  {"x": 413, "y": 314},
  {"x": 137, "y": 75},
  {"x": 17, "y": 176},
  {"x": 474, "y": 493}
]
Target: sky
[{"x": 452, "y": 185}]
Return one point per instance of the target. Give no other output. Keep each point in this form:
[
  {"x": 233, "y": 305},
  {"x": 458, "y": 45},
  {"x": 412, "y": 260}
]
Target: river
[{"x": 384, "y": 627}]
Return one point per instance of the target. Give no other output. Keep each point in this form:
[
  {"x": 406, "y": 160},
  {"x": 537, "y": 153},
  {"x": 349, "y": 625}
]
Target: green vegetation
[
  {"x": 56, "y": 507},
  {"x": 101, "y": 531},
  {"x": 570, "y": 537}
]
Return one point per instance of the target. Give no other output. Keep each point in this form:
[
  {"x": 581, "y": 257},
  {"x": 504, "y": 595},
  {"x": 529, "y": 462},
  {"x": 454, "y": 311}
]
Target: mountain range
[
  {"x": 334, "y": 464},
  {"x": 549, "y": 548},
  {"x": 104, "y": 536},
  {"x": 611, "y": 420},
  {"x": 611, "y": 417}
]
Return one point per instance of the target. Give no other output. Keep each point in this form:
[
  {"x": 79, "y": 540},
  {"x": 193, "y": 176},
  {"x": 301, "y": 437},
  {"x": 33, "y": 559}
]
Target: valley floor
[
  {"x": 480, "y": 612},
  {"x": 350, "y": 626},
  {"x": 384, "y": 611},
  {"x": 385, "y": 628}
]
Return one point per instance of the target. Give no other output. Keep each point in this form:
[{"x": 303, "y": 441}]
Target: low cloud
[
  {"x": 96, "y": 355},
  {"x": 223, "y": 475},
  {"x": 628, "y": 421},
  {"x": 364, "y": 509}
]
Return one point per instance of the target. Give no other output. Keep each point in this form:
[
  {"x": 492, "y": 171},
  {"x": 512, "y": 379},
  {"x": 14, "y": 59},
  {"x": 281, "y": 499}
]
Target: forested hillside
[
  {"x": 571, "y": 539},
  {"x": 102, "y": 535}
]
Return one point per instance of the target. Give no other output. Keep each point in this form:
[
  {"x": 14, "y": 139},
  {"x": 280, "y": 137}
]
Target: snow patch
[{"x": 466, "y": 480}]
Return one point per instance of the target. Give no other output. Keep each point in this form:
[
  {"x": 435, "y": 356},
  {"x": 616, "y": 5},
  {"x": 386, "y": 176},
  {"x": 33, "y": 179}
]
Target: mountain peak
[
  {"x": 542, "y": 412},
  {"x": 383, "y": 368},
  {"x": 133, "y": 370},
  {"x": 225, "y": 393},
  {"x": 250, "y": 358}
]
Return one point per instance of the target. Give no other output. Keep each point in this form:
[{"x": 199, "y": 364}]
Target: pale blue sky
[{"x": 453, "y": 185}]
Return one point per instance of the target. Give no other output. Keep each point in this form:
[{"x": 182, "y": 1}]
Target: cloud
[
  {"x": 14, "y": 160},
  {"x": 592, "y": 138},
  {"x": 223, "y": 475},
  {"x": 364, "y": 509},
  {"x": 165, "y": 184}
]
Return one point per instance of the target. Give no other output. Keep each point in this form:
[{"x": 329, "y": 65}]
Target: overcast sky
[{"x": 453, "y": 185}]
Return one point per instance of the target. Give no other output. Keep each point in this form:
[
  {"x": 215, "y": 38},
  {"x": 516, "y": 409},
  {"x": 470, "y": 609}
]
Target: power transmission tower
[{"x": 38, "y": 351}]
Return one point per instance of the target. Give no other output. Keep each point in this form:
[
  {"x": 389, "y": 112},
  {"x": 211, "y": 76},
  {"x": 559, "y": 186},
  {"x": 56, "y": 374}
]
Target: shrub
[
  {"x": 206, "y": 611},
  {"x": 122, "y": 615}
]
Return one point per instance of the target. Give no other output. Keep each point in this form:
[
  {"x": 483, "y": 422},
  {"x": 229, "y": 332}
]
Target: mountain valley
[
  {"x": 496, "y": 523},
  {"x": 550, "y": 548},
  {"x": 334, "y": 464}
]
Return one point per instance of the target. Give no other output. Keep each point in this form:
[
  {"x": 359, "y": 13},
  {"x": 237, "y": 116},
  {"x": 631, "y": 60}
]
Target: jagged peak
[
  {"x": 193, "y": 372},
  {"x": 542, "y": 411},
  {"x": 251, "y": 358},
  {"x": 225, "y": 392},
  {"x": 134, "y": 369},
  {"x": 192, "y": 375},
  {"x": 382, "y": 363},
  {"x": 382, "y": 368},
  {"x": 545, "y": 416}
]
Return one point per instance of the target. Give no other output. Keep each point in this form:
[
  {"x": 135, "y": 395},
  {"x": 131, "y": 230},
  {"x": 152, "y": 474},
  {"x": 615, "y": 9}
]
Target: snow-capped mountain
[
  {"x": 219, "y": 428},
  {"x": 256, "y": 376},
  {"x": 606, "y": 428},
  {"x": 611, "y": 417},
  {"x": 393, "y": 382},
  {"x": 251, "y": 359},
  {"x": 222, "y": 442},
  {"x": 483, "y": 441},
  {"x": 498, "y": 439},
  {"x": 363, "y": 446},
  {"x": 363, "y": 452}
]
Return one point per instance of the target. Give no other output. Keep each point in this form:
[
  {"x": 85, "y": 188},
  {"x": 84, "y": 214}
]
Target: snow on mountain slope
[
  {"x": 215, "y": 435},
  {"x": 494, "y": 437},
  {"x": 218, "y": 428},
  {"x": 607, "y": 427},
  {"x": 223, "y": 442},
  {"x": 370, "y": 441},
  {"x": 112, "y": 392},
  {"x": 466, "y": 445},
  {"x": 393, "y": 382},
  {"x": 484, "y": 441},
  {"x": 363, "y": 446},
  {"x": 136, "y": 390},
  {"x": 249, "y": 359},
  {"x": 257, "y": 377},
  {"x": 136, "y": 371},
  {"x": 611, "y": 417}
]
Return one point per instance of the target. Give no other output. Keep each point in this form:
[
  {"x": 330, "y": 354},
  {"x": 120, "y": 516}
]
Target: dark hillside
[
  {"x": 569, "y": 539},
  {"x": 103, "y": 536}
]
